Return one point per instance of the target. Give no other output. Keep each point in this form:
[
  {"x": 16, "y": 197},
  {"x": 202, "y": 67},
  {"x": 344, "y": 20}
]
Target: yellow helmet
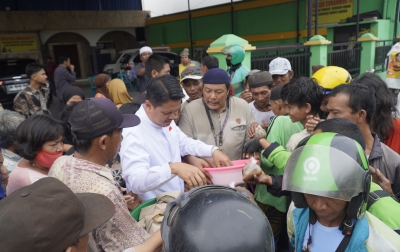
[{"x": 331, "y": 76}]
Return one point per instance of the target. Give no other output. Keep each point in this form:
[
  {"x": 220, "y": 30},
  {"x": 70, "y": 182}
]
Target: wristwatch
[{"x": 214, "y": 148}]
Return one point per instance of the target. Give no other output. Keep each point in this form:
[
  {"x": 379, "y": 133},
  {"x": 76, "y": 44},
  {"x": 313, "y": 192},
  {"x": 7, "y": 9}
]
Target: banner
[
  {"x": 393, "y": 67},
  {"x": 18, "y": 43},
  {"x": 331, "y": 11}
]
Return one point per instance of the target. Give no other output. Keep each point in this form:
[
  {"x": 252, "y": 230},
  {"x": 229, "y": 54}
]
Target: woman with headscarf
[
  {"x": 118, "y": 92},
  {"x": 73, "y": 95},
  {"x": 101, "y": 82}
]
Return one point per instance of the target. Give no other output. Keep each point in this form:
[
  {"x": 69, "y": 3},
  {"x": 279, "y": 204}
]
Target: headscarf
[
  {"x": 72, "y": 91},
  {"x": 118, "y": 92},
  {"x": 100, "y": 82}
]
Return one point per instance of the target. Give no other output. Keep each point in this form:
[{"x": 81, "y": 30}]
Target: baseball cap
[
  {"x": 145, "y": 49},
  {"x": 185, "y": 52},
  {"x": 95, "y": 117},
  {"x": 48, "y": 216},
  {"x": 191, "y": 72},
  {"x": 260, "y": 79},
  {"x": 279, "y": 66}
]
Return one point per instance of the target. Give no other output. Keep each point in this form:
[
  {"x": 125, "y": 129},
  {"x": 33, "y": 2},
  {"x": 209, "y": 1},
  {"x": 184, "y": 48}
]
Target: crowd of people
[{"x": 328, "y": 149}]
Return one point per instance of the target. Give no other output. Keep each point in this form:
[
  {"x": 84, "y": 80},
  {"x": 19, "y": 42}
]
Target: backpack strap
[
  {"x": 376, "y": 195},
  {"x": 346, "y": 227}
]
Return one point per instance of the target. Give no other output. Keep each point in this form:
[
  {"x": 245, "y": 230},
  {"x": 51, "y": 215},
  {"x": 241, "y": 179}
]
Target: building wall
[
  {"x": 261, "y": 22},
  {"x": 24, "y": 5},
  {"x": 20, "y": 21},
  {"x": 81, "y": 28},
  {"x": 66, "y": 38},
  {"x": 121, "y": 39}
]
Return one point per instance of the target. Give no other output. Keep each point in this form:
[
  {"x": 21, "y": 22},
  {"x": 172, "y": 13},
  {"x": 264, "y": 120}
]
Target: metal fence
[
  {"x": 381, "y": 51},
  {"x": 346, "y": 55},
  {"x": 298, "y": 55}
]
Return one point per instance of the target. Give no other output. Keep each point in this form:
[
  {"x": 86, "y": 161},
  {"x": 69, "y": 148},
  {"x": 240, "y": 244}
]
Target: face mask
[
  {"x": 229, "y": 62},
  {"x": 46, "y": 159}
]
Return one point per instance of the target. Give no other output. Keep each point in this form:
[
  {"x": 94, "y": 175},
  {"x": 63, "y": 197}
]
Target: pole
[
  {"x": 396, "y": 19},
  {"x": 298, "y": 21},
  {"x": 190, "y": 29},
  {"x": 309, "y": 19},
  {"x": 232, "y": 21},
  {"x": 316, "y": 18},
  {"x": 358, "y": 19}
]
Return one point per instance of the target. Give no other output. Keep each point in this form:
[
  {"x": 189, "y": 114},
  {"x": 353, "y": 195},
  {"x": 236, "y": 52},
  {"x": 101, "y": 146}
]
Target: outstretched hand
[
  {"x": 312, "y": 121},
  {"x": 220, "y": 159},
  {"x": 381, "y": 180},
  {"x": 251, "y": 130}
]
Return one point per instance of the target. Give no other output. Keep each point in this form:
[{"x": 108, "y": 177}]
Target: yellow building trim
[
  {"x": 216, "y": 10},
  {"x": 321, "y": 42},
  {"x": 219, "y": 49},
  {"x": 250, "y": 38},
  {"x": 367, "y": 39}
]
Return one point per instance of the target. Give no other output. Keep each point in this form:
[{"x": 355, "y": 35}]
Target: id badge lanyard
[{"x": 220, "y": 134}]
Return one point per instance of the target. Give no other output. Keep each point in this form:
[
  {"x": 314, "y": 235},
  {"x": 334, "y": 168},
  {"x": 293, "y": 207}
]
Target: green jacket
[
  {"x": 385, "y": 209},
  {"x": 369, "y": 233},
  {"x": 279, "y": 130},
  {"x": 238, "y": 79}
]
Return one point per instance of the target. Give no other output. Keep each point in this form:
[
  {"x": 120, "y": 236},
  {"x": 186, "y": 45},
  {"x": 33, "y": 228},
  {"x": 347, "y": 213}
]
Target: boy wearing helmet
[
  {"x": 330, "y": 181},
  {"x": 328, "y": 78},
  {"x": 236, "y": 71}
]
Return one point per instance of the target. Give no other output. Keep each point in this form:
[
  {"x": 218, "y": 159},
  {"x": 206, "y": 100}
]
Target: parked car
[
  {"x": 122, "y": 58},
  {"x": 12, "y": 79}
]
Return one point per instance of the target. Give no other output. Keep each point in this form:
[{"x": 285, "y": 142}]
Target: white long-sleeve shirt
[{"x": 146, "y": 152}]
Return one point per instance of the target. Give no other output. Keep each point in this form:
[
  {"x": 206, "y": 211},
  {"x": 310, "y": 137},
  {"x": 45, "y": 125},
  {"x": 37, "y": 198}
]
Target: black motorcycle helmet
[{"x": 215, "y": 218}]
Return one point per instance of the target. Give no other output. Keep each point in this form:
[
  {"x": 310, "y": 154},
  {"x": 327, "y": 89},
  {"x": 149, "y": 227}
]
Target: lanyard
[{"x": 212, "y": 125}]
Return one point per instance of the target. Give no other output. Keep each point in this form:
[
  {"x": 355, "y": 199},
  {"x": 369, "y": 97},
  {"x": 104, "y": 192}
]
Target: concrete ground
[{"x": 84, "y": 84}]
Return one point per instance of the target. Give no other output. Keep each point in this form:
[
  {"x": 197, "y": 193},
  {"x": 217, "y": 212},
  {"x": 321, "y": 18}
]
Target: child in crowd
[{"x": 303, "y": 97}]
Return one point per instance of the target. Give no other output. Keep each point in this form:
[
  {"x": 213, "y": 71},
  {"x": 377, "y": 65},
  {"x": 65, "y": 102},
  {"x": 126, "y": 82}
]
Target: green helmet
[
  {"x": 329, "y": 165},
  {"x": 236, "y": 51}
]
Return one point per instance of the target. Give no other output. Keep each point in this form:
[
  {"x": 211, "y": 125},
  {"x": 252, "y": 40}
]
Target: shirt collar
[
  {"x": 92, "y": 167},
  {"x": 10, "y": 154},
  {"x": 377, "y": 150},
  {"x": 33, "y": 90},
  {"x": 141, "y": 113}
]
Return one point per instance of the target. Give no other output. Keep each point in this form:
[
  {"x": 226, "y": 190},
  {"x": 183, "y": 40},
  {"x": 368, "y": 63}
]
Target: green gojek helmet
[
  {"x": 329, "y": 165},
  {"x": 236, "y": 51}
]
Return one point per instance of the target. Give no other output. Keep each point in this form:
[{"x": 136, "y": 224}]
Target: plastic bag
[
  {"x": 260, "y": 132},
  {"x": 251, "y": 169}
]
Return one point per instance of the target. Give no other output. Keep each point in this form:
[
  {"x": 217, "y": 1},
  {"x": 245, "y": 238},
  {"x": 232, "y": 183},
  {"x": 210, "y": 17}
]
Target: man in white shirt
[{"x": 151, "y": 152}]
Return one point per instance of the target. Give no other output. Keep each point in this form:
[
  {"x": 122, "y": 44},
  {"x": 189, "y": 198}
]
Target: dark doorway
[
  {"x": 342, "y": 34},
  {"x": 70, "y": 51}
]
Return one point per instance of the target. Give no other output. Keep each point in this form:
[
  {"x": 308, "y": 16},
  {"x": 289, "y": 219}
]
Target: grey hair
[{"x": 9, "y": 122}]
